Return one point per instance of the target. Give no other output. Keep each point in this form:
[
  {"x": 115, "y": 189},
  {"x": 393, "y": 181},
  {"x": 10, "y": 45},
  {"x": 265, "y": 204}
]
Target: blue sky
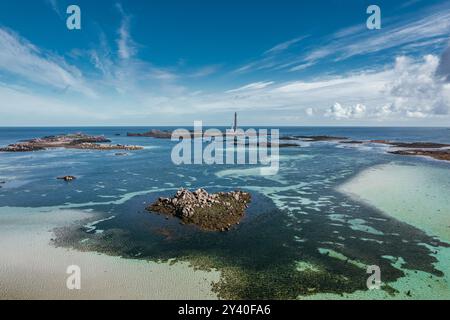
[{"x": 275, "y": 62}]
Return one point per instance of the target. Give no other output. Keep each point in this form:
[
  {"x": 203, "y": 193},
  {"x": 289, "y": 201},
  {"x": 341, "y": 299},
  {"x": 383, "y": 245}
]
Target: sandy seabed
[
  {"x": 417, "y": 195},
  {"x": 31, "y": 268}
]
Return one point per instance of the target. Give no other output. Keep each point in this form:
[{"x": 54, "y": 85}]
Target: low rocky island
[
  {"x": 439, "y": 151},
  {"x": 211, "y": 212},
  {"x": 167, "y": 134},
  {"x": 269, "y": 144},
  {"x": 435, "y": 154},
  {"x": 320, "y": 138},
  {"x": 352, "y": 142},
  {"x": 68, "y": 141},
  {"x": 419, "y": 145},
  {"x": 154, "y": 133}
]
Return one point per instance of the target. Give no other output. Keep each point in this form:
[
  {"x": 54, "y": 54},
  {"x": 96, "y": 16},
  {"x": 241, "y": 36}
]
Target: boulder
[{"x": 67, "y": 178}]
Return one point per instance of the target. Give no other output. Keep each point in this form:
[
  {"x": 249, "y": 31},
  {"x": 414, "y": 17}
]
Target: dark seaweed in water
[{"x": 259, "y": 257}]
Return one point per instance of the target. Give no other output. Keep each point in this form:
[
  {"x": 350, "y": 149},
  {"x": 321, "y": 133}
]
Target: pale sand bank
[
  {"x": 419, "y": 196},
  {"x": 30, "y": 268}
]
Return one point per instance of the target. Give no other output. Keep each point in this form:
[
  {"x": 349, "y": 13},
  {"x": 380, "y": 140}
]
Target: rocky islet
[
  {"x": 213, "y": 212},
  {"x": 68, "y": 141}
]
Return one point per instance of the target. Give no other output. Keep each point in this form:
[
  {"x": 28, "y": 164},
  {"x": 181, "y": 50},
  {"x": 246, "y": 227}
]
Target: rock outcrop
[
  {"x": 269, "y": 144},
  {"x": 314, "y": 138},
  {"x": 67, "y": 178},
  {"x": 69, "y": 141},
  {"x": 213, "y": 212},
  {"x": 154, "y": 133},
  {"x": 435, "y": 154},
  {"x": 103, "y": 147},
  {"x": 419, "y": 145},
  {"x": 439, "y": 151},
  {"x": 21, "y": 147}
]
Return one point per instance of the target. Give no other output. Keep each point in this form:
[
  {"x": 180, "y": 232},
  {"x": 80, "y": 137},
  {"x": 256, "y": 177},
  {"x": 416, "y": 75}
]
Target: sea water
[{"x": 301, "y": 236}]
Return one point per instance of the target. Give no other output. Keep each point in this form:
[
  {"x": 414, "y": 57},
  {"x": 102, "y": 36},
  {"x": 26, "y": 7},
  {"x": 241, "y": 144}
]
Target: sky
[{"x": 276, "y": 63}]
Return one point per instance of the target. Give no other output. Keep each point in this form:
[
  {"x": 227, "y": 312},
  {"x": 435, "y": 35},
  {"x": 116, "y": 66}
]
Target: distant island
[
  {"x": 68, "y": 141},
  {"x": 154, "y": 133},
  {"x": 438, "y": 151}
]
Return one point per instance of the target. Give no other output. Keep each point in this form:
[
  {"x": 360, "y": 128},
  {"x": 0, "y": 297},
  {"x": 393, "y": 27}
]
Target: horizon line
[{"x": 224, "y": 126}]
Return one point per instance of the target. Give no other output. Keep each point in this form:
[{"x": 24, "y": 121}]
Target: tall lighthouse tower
[{"x": 235, "y": 122}]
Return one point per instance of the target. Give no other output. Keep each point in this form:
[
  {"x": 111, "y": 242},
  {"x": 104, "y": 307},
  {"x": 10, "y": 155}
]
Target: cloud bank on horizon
[{"x": 124, "y": 68}]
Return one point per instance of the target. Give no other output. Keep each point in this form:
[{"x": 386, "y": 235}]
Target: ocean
[{"x": 302, "y": 236}]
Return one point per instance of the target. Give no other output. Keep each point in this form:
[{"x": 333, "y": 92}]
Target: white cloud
[
  {"x": 204, "y": 71},
  {"x": 55, "y": 7},
  {"x": 301, "y": 66},
  {"x": 444, "y": 65},
  {"x": 127, "y": 47},
  {"x": 406, "y": 89},
  {"x": 412, "y": 90},
  {"x": 416, "y": 114},
  {"x": 416, "y": 90},
  {"x": 125, "y": 73},
  {"x": 284, "y": 45},
  {"x": 346, "y": 112},
  {"x": 309, "y": 112},
  {"x": 411, "y": 34},
  {"x": 430, "y": 26},
  {"x": 252, "y": 86},
  {"x": 20, "y": 58},
  {"x": 135, "y": 91},
  {"x": 20, "y": 106}
]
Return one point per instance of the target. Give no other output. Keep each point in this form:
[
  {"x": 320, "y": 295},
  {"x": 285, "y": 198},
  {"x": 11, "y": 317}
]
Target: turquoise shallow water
[{"x": 297, "y": 217}]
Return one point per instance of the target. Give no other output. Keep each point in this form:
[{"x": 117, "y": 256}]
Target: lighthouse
[{"x": 235, "y": 122}]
